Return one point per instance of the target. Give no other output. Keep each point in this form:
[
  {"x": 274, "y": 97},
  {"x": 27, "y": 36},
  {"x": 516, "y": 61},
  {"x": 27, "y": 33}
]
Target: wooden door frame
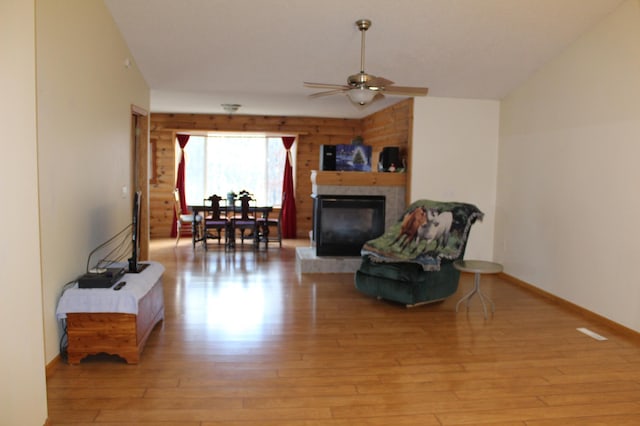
[{"x": 140, "y": 171}]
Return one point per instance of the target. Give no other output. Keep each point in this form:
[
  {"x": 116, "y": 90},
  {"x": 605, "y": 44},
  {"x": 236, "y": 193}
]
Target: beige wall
[
  {"x": 455, "y": 146},
  {"x": 85, "y": 93},
  {"x": 23, "y": 391},
  {"x": 568, "y": 201},
  {"x": 67, "y": 158}
]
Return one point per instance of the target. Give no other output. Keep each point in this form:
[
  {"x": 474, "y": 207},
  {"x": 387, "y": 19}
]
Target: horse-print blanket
[{"x": 427, "y": 232}]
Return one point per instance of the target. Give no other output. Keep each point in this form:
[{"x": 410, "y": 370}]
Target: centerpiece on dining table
[{"x": 232, "y": 196}]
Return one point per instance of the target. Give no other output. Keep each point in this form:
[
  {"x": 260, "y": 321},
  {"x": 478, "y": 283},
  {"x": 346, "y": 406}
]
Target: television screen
[{"x": 134, "y": 266}]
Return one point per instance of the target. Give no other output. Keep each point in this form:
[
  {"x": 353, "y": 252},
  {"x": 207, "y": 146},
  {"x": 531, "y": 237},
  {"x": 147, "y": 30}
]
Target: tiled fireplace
[{"x": 390, "y": 186}]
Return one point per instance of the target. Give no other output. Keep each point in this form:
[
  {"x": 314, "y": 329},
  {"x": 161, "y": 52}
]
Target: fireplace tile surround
[
  {"x": 394, "y": 193},
  {"x": 394, "y": 197},
  {"x": 308, "y": 263}
]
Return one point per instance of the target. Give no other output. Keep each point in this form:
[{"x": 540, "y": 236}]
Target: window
[{"x": 223, "y": 163}]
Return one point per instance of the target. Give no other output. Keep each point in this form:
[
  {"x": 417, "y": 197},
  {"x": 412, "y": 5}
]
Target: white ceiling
[{"x": 198, "y": 54}]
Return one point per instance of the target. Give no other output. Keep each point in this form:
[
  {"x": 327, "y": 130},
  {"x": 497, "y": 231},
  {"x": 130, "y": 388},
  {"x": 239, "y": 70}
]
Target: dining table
[{"x": 260, "y": 212}]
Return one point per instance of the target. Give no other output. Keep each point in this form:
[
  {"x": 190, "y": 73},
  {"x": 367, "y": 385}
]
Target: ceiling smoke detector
[{"x": 231, "y": 108}]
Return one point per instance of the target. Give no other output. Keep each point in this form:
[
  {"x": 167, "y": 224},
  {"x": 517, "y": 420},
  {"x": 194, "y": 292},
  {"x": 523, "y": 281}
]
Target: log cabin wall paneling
[
  {"x": 389, "y": 127},
  {"x": 392, "y": 126}
]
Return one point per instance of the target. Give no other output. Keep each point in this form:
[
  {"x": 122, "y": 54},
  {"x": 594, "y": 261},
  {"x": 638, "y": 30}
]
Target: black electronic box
[
  {"x": 102, "y": 279},
  {"x": 327, "y": 157}
]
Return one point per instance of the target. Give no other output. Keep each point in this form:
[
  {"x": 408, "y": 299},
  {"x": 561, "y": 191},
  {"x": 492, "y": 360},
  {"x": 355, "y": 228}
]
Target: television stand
[{"x": 113, "y": 322}]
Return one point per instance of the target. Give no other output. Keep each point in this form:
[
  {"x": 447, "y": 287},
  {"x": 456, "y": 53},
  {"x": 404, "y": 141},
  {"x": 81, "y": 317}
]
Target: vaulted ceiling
[{"x": 198, "y": 54}]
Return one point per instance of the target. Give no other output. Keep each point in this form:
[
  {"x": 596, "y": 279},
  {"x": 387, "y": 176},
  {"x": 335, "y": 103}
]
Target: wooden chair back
[
  {"x": 245, "y": 207},
  {"x": 176, "y": 203},
  {"x": 214, "y": 211}
]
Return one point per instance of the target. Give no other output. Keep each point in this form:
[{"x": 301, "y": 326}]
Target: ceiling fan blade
[
  {"x": 406, "y": 90},
  {"x": 326, "y": 86},
  {"x": 327, "y": 93},
  {"x": 379, "y": 82}
]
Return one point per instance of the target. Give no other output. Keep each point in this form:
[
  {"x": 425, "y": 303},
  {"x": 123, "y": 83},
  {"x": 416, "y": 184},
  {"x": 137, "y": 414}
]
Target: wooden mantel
[{"x": 358, "y": 178}]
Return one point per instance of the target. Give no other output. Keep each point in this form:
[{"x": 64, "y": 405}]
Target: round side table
[{"x": 478, "y": 267}]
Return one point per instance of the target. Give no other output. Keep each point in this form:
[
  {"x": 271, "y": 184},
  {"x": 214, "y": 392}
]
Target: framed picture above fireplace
[{"x": 353, "y": 158}]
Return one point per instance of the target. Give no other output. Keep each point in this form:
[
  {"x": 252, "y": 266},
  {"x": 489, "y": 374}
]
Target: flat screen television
[{"x": 134, "y": 265}]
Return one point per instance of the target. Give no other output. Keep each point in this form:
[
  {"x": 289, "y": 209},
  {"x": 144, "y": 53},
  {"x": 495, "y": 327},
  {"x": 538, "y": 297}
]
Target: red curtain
[
  {"x": 288, "y": 197},
  {"x": 182, "y": 141}
]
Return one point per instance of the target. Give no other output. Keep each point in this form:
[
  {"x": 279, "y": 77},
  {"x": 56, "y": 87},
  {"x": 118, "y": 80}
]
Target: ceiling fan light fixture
[{"x": 361, "y": 95}]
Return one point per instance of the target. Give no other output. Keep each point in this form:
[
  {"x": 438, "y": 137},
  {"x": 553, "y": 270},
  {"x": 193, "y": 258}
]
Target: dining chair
[
  {"x": 214, "y": 221},
  {"x": 245, "y": 221},
  {"x": 186, "y": 222},
  {"x": 265, "y": 223}
]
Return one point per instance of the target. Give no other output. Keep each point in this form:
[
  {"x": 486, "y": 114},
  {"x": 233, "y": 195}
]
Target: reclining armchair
[{"x": 412, "y": 262}]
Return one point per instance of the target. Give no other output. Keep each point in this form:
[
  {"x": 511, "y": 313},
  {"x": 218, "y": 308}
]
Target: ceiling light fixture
[{"x": 231, "y": 108}]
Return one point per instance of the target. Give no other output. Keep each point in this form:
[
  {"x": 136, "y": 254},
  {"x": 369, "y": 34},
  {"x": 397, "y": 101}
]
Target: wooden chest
[{"x": 115, "y": 333}]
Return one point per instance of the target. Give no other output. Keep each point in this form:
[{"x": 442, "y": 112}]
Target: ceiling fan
[{"x": 363, "y": 88}]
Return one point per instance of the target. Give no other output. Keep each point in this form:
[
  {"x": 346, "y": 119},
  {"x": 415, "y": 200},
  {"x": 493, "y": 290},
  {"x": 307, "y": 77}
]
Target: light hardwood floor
[{"x": 246, "y": 342}]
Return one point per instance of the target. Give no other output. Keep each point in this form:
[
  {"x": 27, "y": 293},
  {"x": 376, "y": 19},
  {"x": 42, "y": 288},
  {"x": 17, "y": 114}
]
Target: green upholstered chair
[{"x": 412, "y": 263}]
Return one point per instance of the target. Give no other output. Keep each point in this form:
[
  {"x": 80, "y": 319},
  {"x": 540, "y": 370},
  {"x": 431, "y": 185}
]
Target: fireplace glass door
[{"x": 343, "y": 223}]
